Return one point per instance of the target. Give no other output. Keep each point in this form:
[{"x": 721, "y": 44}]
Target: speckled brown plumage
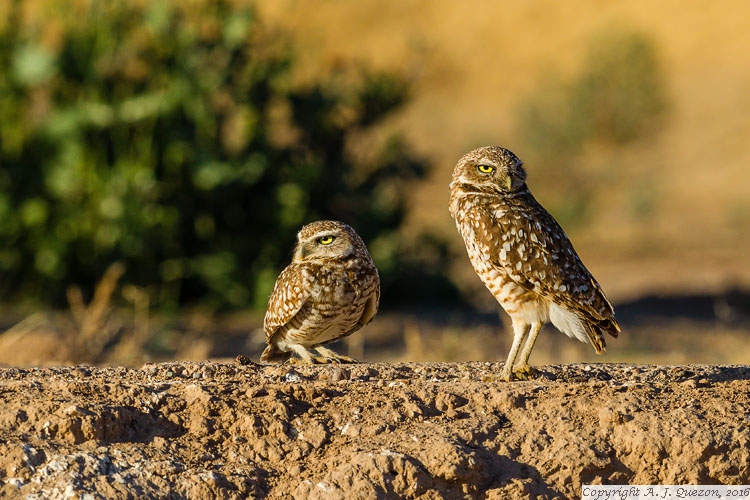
[
  {"x": 523, "y": 256},
  {"x": 329, "y": 291}
]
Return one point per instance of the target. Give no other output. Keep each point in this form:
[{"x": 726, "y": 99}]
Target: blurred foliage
[
  {"x": 167, "y": 135},
  {"x": 617, "y": 98}
]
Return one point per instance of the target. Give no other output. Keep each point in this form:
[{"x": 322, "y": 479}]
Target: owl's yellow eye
[
  {"x": 326, "y": 240},
  {"x": 486, "y": 169}
]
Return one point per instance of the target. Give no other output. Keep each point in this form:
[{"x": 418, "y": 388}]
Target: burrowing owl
[
  {"x": 330, "y": 290},
  {"x": 523, "y": 257}
]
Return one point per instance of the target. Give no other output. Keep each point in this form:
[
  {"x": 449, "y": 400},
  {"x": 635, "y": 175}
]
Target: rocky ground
[{"x": 438, "y": 430}]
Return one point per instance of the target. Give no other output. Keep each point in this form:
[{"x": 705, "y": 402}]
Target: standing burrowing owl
[
  {"x": 329, "y": 291},
  {"x": 523, "y": 257}
]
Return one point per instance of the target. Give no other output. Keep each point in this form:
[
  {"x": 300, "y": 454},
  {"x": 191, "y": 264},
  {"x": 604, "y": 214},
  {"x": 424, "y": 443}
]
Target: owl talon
[
  {"x": 525, "y": 372},
  {"x": 313, "y": 360},
  {"x": 517, "y": 373},
  {"x": 337, "y": 360},
  {"x": 333, "y": 357},
  {"x": 347, "y": 360},
  {"x": 330, "y": 358}
]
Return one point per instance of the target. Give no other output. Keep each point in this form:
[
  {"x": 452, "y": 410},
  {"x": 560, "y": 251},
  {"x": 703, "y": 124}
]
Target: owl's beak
[
  {"x": 507, "y": 183},
  {"x": 302, "y": 252}
]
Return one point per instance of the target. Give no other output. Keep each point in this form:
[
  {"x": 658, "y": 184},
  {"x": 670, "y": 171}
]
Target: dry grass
[
  {"x": 93, "y": 326},
  {"x": 87, "y": 333}
]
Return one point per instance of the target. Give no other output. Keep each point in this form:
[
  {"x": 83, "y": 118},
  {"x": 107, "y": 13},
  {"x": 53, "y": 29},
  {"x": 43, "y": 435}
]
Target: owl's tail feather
[
  {"x": 595, "y": 337},
  {"x": 273, "y": 353},
  {"x": 611, "y": 326},
  {"x": 595, "y": 333}
]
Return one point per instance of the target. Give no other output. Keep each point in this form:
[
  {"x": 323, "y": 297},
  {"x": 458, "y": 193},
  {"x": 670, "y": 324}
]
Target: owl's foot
[
  {"x": 327, "y": 360},
  {"x": 524, "y": 372},
  {"x": 327, "y": 356},
  {"x": 321, "y": 360},
  {"x": 323, "y": 356}
]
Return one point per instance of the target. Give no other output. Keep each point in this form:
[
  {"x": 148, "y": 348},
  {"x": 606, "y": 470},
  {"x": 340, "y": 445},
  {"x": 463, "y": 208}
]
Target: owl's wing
[
  {"x": 371, "y": 307},
  {"x": 537, "y": 254},
  {"x": 290, "y": 293}
]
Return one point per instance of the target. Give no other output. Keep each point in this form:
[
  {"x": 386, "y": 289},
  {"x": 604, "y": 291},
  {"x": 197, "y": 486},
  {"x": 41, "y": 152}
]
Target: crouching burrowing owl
[
  {"x": 329, "y": 291},
  {"x": 523, "y": 257}
]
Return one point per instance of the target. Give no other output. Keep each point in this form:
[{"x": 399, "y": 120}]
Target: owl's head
[
  {"x": 327, "y": 239},
  {"x": 490, "y": 169}
]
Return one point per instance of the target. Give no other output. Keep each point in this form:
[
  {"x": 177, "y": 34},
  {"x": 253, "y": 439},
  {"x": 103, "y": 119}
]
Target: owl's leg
[
  {"x": 522, "y": 369},
  {"x": 333, "y": 357},
  {"x": 520, "y": 332}
]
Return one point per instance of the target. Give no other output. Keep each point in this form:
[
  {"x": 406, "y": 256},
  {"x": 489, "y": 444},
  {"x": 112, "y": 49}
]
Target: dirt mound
[{"x": 222, "y": 430}]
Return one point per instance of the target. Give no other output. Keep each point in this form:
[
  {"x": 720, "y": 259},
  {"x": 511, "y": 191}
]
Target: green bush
[{"x": 169, "y": 137}]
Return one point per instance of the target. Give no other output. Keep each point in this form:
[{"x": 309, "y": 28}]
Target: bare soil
[{"x": 433, "y": 430}]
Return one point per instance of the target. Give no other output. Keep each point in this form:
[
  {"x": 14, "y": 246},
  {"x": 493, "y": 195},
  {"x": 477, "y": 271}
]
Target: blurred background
[{"x": 158, "y": 157}]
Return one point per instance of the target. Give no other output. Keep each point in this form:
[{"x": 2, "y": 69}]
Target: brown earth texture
[{"x": 434, "y": 430}]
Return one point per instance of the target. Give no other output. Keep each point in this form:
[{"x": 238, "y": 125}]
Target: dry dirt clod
[{"x": 244, "y": 360}]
